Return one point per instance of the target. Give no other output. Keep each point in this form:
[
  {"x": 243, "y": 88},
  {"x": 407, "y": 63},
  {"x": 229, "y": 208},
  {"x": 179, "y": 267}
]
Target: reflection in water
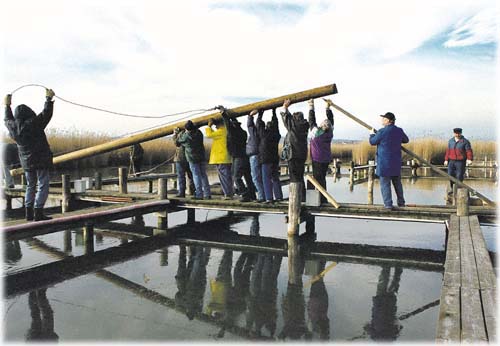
[
  {"x": 196, "y": 280},
  {"x": 384, "y": 324},
  {"x": 317, "y": 307},
  {"x": 42, "y": 317},
  {"x": 12, "y": 252}
]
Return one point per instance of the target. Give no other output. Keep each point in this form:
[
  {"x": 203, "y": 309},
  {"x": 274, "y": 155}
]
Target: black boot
[
  {"x": 39, "y": 216},
  {"x": 29, "y": 213}
]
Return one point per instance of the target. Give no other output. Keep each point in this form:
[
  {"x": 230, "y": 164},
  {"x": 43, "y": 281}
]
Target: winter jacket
[
  {"x": 296, "y": 136},
  {"x": 192, "y": 141},
  {"x": 253, "y": 137},
  {"x": 321, "y": 141},
  {"x": 460, "y": 150},
  {"x": 27, "y": 129},
  {"x": 388, "y": 141},
  {"x": 180, "y": 152},
  {"x": 219, "y": 153},
  {"x": 236, "y": 137},
  {"x": 269, "y": 140}
]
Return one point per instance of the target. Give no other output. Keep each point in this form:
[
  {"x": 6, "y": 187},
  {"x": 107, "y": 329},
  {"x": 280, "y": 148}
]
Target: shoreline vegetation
[{"x": 162, "y": 149}]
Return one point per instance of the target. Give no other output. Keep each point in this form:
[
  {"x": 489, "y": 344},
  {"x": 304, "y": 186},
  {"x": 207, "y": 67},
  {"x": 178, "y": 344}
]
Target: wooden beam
[{"x": 322, "y": 190}]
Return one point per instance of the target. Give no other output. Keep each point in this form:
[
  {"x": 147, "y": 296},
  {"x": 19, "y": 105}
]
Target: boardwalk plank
[
  {"x": 489, "y": 300},
  {"x": 486, "y": 274},
  {"x": 452, "y": 275},
  {"x": 448, "y": 328},
  {"x": 467, "y": 259},
  {"x": 473, "y": 327}
]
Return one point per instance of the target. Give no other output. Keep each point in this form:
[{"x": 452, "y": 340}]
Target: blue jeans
[
  {"x": 271, "y": 181},
  {"x": 456, "y": 169},
  {"x": 225, "y": 178},
  {"x": 255, "y": 168},
  {"x": 385, "y": 188},
  {"x": 37, "y": 197},
  {"x": 200, "y": 179}
]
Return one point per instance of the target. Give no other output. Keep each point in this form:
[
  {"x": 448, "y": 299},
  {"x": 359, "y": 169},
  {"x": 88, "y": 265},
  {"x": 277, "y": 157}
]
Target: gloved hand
[
  {"x": 49, "y": 93},
  {"x": 373, "y": 131},
  {"x": 468, "y": 162},
  {"x": 177, "y": 130},
  {"x": 445, "y": 163},
  {"x": 286, "y": 103},
  {"x": 328, "y": 102},
  {"x": 253, "y": 112},
  {"x": 210, "y": 122},
  {"x": 220, "y": 108},
  {"x": 311, "y": 103},
  {"x": 7, "y": 99}
]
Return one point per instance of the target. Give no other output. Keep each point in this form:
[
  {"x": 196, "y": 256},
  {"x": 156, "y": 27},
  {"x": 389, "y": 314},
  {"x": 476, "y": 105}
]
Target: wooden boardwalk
[{"x": 468, "y": 296}]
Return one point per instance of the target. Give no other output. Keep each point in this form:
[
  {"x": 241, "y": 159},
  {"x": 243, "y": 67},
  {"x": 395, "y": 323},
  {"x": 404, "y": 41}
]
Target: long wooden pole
[
  {"x": 199, "y": 121},
  {"x": 422, "y": 160}
]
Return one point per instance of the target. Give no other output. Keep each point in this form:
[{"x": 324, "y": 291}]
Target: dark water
[{"x": 202, "y": 293}]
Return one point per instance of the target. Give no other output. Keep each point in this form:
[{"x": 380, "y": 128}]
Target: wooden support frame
[{"x": 322, "y": 190}]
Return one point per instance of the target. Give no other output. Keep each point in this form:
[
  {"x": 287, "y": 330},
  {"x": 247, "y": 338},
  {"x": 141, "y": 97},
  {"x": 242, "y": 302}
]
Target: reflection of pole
[
  {"x": 67, "y": 242},
  {"x": 294, "y": 261},
  {"x": 371, "y": 177}
]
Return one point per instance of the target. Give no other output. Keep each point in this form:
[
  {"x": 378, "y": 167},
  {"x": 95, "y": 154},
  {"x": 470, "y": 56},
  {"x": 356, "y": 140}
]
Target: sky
[{"x": 434, "y": 64}]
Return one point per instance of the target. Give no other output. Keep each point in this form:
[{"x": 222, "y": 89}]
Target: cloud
[{"x": 481, "y": 28}]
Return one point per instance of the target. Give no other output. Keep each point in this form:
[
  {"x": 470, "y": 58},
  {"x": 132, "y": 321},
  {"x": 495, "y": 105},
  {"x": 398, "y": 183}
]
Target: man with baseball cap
[
  {"x": 458, "y": 155},
  {"x": 388, "y": 141}
]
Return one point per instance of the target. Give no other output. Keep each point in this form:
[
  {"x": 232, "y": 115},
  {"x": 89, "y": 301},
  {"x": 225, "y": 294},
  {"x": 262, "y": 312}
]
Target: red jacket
[{"x": 460, "y": 150}]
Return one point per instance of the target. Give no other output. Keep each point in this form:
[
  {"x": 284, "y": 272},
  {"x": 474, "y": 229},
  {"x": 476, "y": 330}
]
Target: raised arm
[
  {"x": 45, "y": 116},
  {"x": 286, "y": 116}
]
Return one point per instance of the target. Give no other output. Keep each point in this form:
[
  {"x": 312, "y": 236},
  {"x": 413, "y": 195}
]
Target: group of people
[{"x": 247, "y": 164}]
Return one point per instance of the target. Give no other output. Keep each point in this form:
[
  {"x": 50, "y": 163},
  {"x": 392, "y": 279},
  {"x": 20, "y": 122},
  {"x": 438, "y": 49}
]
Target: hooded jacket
[
  {"x": 219, "y": 153},
  {"x": 297, "y": 135},
  {"x": 27, "y": 129},
  {"x": 253, "y": 137},
  {"x": 236, "y": 137},
  {"x": 192, "y": 141}
]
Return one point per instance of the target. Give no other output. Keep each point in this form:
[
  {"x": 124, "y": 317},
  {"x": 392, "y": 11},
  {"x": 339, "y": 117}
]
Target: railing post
[
  {"x": 162, "y": 215},
  {"x": 122, "y": 179},
  {"x": 351, "y": 175},
  {"x": 66, "y": 193},
  {"x": 371, "y": 178},
  {"x": 150, "y": 186},
  {"x": 8, "y": 203},
  {"x": 98, "y": 180},
  {"x": 462, "y": 202},
  {"x": 294, "y": 205},
  {"x": 67, "y": 242},
  {"x": 23, "y": 180}
]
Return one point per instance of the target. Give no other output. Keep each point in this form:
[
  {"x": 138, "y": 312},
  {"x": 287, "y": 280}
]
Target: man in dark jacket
[
  {"x": 236, "y": 145},
  {"x": 388, "y": 141},
  {"x": 27, "y": 129},
  {"x": 192, "y": 141},
  {"x": 296, "y": 138},
  {"x": 458, "y": 155},
  {"x": 268, "y": 156},
  {"x": 136, "y": 153},
  {"x": 252, "y": 151},
  {"x": 182, "y": 167}
]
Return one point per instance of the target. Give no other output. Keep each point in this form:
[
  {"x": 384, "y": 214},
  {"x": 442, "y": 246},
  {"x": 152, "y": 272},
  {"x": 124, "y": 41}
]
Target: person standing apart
[
  {"x": 458, "y": 155},
  {"x": 192, "y": 141},
  {"x": 388, "y": 141},
  {"x": 182, "y": 167},
  {"x": 28, "y": 131},
  {"x": 219, "y": 155},
  {"x": 320, "y": 144}
]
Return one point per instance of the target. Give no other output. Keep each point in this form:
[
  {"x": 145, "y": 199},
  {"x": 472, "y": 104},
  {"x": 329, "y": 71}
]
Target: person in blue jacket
[{"x": 388, "y": 141}]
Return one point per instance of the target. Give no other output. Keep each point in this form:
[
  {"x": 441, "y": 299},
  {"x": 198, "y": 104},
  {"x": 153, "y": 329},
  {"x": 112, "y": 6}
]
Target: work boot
[
  {"x": 29, "y": 213},
  {"x": 39, "y": 216}
]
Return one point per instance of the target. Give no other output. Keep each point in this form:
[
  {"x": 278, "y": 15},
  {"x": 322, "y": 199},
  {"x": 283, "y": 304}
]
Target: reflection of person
[
  {"x": 10, "y": 160},
  {"x": 384, "y": 324},
  {"x": 219, "y": 155},
  {"x": 13, "y": 251},
  {"x": 317, "y": 307},
  {"x": 388, "y": 141},
  {"x": 196, "y": 280},
  {"x": 42, "y": 317},
  {"x": 136, "y": 157},
  {"x": 321, "y": 141},
  {"x": 181, "y": 279},
  {"x": 458, "y": 155},
  {"x": 28, "y": 130}
]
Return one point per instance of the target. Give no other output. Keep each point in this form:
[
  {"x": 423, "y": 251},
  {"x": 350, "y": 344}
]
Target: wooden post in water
[
  {"x": 88, "y": 238},
  {"x": 371, "y": 178},
  {"x": 98, "y": 180},
  {"x": 462, "y": 202},
  {"x": 191, "y": 215},
  {"x": 162, "y": 215},
  {"x": 294, "y": 205},
  {"x": 122, "y": 179},
  {"x": 294, "y": 272},
  {"x": 8, "y": 203},
  {"x": 150, "y": 186},
  {"x": 351, "y": 175},
  {"x": 67, "y": 242},
  {"x": 66, "y": 193}
]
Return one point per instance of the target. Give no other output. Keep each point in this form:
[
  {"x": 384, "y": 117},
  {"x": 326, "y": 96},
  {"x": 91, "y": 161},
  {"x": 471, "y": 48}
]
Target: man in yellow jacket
[{"x": 219, "y": 155}]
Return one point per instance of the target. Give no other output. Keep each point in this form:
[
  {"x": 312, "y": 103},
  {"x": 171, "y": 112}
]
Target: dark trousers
[
  {"x": 241, "y": 169},
  {"x": 296, "y": 171},
  {"x": 456, "y": 169},
  {"x": 319, "y": 173}
]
